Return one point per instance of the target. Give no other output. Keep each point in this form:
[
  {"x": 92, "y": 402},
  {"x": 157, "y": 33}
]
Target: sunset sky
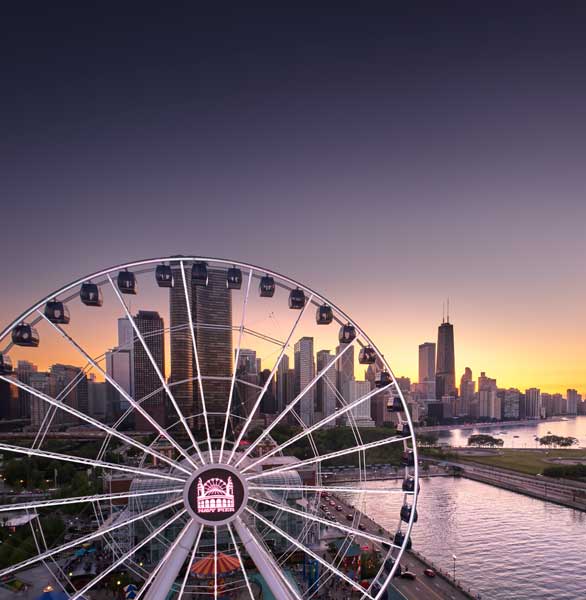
[{"x": 389, "y": 159}]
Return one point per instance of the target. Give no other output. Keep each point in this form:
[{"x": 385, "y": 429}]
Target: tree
[
  {"x": 484, "y": 440},
  {"x": 557, "y": 441}
]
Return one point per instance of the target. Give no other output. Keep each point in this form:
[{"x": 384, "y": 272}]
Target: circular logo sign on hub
[{"x": 215, "y": 494}]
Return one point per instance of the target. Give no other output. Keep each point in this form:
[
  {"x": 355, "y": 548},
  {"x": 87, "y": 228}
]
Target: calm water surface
[
  {"x": 508, "y": 546},
  {"x": 575, "y": 427}
]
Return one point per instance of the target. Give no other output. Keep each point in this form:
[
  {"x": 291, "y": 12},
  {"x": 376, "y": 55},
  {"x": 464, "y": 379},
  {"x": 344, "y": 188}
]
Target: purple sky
[{"x": 389, "y": 159}]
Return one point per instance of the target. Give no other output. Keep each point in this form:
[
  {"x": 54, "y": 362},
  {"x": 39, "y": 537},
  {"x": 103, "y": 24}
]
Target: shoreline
[{"x": 496, "y": 424}]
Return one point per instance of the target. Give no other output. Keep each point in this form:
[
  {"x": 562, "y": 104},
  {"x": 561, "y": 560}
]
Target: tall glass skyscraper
[
  {"x": 304, "y": 373},
  {"x": 445, "y": 373},
  {"x": 146, "y": 381},
  {"x": 212, "y": 317},
  {"x": 182, "y": 368}
]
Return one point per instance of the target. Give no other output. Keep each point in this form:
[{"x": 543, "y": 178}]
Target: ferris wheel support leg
[
  {"x": 266, "y": 566},
  {"x": 167, "y": 576}
]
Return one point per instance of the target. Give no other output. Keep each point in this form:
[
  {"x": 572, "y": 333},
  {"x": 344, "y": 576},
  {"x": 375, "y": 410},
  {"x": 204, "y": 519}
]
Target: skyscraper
[
  {"x": 326, "y": 386},
  {"x": 533, "y": 403},
  {"x": 212, "y": 316},
  {"x": 345, "y": 368},
  {"x": 24, "y": 370},
  {"x": 427, "y": 369},
  {"x": 467, "y": 387},
  {"x": 182, "y": 362},
  {"x": 445, "y": 373},
  {"x": 62, "y": 376},
  {"x": 282, "y": 384},
  {"x": 572, "y": 399},
  {"x": 247, "y": 361},
  {"x": 511, "y": 404},
  {"x": 120, "y": 367},
  {"x": 39, "y": 408},
  {"x": 304, "y": 373},
  {"x": 360, "y": 414},
  {"x": 146, "y": 381}
]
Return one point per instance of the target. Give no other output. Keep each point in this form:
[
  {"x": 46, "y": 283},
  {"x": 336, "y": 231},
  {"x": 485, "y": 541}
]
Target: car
[
  {"x": 339, "y": 508},
  {"x": 429, "y": 572},
  {"x": 361, "y": 527},
  {"x": 349, "y": 517},
  {"x": 408, "y": 575},
  {"x": 332, "y": 503},
  {"x": 331, "y": 517}
]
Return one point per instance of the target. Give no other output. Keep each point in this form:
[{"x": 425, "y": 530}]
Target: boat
[{"x": 515, "y": 436}]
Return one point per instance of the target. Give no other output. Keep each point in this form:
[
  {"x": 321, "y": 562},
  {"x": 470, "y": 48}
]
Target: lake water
[
  {"x": 575, "y": 427},
  {"x": 508, "y": 546}
]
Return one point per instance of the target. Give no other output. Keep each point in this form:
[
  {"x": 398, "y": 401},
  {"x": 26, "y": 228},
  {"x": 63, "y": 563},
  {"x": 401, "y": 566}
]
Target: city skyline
[{"x": 404, "y": 363}]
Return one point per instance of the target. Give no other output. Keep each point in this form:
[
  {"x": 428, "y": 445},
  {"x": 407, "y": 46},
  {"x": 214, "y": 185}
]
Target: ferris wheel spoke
[
  {"x": 127, "y": 555},
  {"x": 95, "y": 423},
  {"x": 163, "y": 562},
  {"x": 88, "y": 462},
  {"x": 245, "y": 575},
  {"x": 83, "y": 499},
  {"x": 215, "y": 563},
  {"x": 191, "y": 562},
  {"x": 337, "y": 454},
  {"x": 51, "y": 411},
  {"x": 268, "y": 381},
  {"x": 135, "y": 405},
  {"x": 159, "y": 374},
  {"x": 309, "y": 552},
  {"x": 316, "y": 519},
  {"x": 316, "y": 426},
  {"x": 266, "y": 564},
  {"x": 326, "y": 489},
  {"x": 231, "y": 394},
  {"x": 196, "y": 358},
  {"x": 89, "y": 537}
]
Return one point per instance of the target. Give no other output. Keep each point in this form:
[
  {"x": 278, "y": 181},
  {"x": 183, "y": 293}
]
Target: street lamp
[{"x": 454, "y": 557}]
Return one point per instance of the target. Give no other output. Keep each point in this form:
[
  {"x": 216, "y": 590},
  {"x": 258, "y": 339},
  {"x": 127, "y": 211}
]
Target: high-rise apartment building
[
  {"x": 247, "y": 361},
  {"x": 427, "y": 370},
  {"x": 511, "y": 404},
  {"x": 42, "y": 383},
  {"x": 282, "y": 384},
  {"x": 71, "y": 383},
  {"x": 466, "y": 397},
  {"x": 344, "y": 367},
  {"x": 572, "y": 400},
  {"x": 326, "y": 386},
  {"x": 533, "y": 406},
  {"x": 304, "y": 373},
  {"x": 24, "y": 370},
  {"x": 147, "y": 384},
  {"x": 445, "y": 373},
  {"x": 360, "y": 414}
]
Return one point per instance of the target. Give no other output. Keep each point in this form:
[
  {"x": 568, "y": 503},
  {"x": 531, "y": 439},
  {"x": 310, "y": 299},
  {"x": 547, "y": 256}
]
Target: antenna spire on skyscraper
[{"x": 448, "y": 315}]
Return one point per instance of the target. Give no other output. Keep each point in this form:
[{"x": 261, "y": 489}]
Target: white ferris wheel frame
[{"x": 185, "y": 545}]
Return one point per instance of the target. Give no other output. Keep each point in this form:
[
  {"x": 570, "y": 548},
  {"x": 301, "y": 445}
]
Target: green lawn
[{"x": 530, "y": 462}]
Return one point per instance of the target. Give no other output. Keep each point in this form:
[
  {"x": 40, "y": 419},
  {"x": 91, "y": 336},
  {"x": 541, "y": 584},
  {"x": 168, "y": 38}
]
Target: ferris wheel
[{"x": 182, "y": 467}]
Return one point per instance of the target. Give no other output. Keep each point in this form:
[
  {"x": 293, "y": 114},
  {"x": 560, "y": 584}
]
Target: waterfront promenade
[{"x": 564, "y": 492}]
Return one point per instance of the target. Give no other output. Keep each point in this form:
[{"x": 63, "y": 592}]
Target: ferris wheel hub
[{"x": 215, "y": 494}]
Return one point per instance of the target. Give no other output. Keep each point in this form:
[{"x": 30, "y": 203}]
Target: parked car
[{"x": 429, "y": 572}]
